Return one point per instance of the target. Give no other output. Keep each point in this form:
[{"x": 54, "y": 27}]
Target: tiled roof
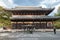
[
  {"x": 29, "y": 8},
  {"x": 36, "y": 17}
]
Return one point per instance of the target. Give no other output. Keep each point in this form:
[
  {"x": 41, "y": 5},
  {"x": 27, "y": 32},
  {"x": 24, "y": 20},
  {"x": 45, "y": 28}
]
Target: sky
[{"x": 44, "y": 3}]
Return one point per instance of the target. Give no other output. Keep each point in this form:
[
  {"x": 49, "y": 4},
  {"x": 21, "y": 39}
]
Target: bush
[{"x": 57, "y": 27}]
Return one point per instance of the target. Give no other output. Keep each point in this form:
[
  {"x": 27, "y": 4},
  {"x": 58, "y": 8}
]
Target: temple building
[{"x": 31, "y": 17}]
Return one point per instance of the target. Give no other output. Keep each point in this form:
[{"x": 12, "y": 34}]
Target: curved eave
[
  {"x": 45, "y": 10},
  {"x": 50, "y": 11},
  {"x": 45, "y": 18}
]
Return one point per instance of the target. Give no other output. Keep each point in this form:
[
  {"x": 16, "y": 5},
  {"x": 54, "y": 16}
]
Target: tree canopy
[
  {"x": 57, "y": 22},
  {"x": 4, "y": 18},
  {"x": 58, "y": 12}
]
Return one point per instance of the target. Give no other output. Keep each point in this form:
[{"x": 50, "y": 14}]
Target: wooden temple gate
[
  {"x": 31, "y": 17},
  {"x": 32, "y": 24}
]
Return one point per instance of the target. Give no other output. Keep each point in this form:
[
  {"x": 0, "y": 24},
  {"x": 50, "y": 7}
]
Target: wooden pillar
[
  {"x": 15, "y": 12},
  {"x": 32, "y": 27},
  {"x": 20, "y": 12},
  {"x": 23, "y": 27},
  {"x": 16, "y": 24},
  {"x": 33, "y": 24},
  {"x": 31, "y": 12},
  {"x": 46, "y": 25},
  {"x": 40, "y": 24},
  {"x": 52, "y": 24},
  {"x": 23, "y": 24}
]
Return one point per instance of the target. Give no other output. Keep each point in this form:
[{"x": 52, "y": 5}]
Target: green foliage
[
  {"x": 57, "y": 14},
  {"x": 58, "y": 10},
  {"x": 57, "y": 22},
  {"x": 1, "y": 8},
  {"x": 4, "y": 18}
]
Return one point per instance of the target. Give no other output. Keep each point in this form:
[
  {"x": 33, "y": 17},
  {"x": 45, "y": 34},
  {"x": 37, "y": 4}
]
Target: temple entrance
[{"x": 31, "y": 25}]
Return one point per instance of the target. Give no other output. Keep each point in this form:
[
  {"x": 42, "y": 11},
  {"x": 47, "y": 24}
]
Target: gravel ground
[{"x": 28, "y": 36}]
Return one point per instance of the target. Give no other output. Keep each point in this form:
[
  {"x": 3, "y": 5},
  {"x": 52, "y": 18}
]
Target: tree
[
  {"x": 58, "y": 12},
  {"x": 57, "y": 22},
  {"x": 4, "y": 18}
]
